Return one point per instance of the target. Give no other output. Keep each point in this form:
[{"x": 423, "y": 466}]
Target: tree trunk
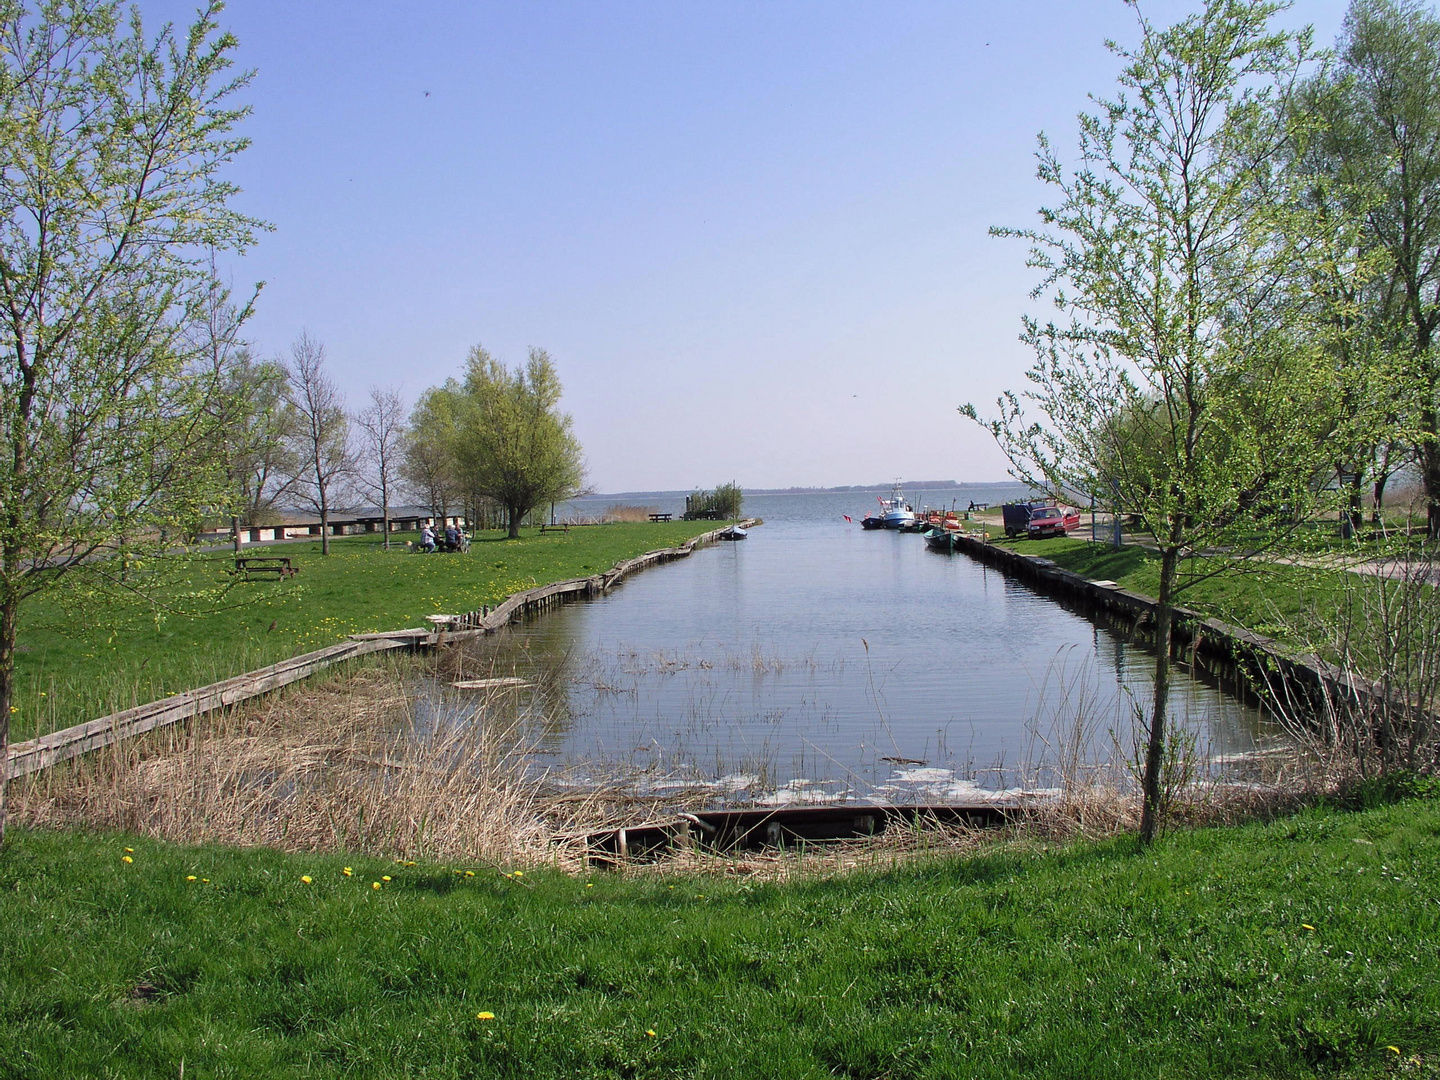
[
  {"x": 514, "y": 513},
  {"x": 1155, "y": 748},
  {"x": 9, "y": 624},
  {"x": 235, "y": 532},
  {"x": 324, "y": 523},
  {"x": 1430, "y": 471}
]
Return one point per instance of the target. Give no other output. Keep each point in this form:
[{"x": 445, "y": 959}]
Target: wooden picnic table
[
  {"x": 255, "y": 567},
  {"x": 562, "y": 527},
  {"x": 661, "y": 517}
]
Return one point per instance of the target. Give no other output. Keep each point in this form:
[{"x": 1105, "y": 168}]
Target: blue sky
[{"x": 753, "y": 236}]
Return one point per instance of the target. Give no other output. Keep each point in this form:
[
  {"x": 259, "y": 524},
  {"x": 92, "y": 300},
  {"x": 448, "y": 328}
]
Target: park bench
[
  {"x": 661, "y": 517},
  {"x": 258, "y": 567},
  {"x": 565, "y": 528}
]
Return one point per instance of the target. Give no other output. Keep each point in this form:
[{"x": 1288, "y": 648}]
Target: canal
[{"x": 816, "y": 661}]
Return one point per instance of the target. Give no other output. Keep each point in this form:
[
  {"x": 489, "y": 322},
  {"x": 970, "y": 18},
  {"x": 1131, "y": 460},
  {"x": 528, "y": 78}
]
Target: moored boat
[
  {"x": 895, "y": 512},
  {"x": 941, "y": 539}
]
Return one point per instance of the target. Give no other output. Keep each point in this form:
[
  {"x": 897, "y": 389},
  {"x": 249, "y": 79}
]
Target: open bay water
[{"x": 818, "y": 661}]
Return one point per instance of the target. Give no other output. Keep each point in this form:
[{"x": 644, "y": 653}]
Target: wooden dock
[{"x": 764, "y": 827}]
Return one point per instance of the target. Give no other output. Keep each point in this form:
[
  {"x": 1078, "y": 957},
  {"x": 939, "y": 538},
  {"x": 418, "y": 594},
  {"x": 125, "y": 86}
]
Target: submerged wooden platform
[{"x": 755, "y": 828}]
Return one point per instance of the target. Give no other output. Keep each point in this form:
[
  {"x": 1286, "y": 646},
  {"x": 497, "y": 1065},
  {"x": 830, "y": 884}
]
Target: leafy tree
[
  {"x": 319, "y": 432},
  {"x": 1193, "y": 369},
  {"x": 111, "y": 147},
  {"x": 427, "y": 459},
  {"x": 1381, "y": 103},
  {"x": 512, "y": 443}
]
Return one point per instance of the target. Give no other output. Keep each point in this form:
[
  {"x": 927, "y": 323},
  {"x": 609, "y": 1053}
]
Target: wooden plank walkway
[{"x": 37, "y": 754}]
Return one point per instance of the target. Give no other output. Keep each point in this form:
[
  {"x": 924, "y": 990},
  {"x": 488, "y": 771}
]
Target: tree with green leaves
[
  {"x": 1190, "y": 370},
  {"x": 512, "y": 444},
  {"x": 427, "y": 458},
  {"x": 1381, "y": 141},
  {"x": 112, "y": 144}
]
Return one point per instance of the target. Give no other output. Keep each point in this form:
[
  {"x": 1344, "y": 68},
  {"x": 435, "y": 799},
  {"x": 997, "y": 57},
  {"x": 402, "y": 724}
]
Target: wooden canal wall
[
  {"x": 37, "y": 754},
  {"x": 1260, "y": 664}
]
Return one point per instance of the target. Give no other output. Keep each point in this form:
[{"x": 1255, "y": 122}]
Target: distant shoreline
[{"x": 912, "y": 485}]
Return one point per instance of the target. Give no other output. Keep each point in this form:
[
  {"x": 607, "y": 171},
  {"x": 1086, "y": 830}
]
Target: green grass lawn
[
  {"x": 1267, "y": 597},
  {"x": 1303, "y": 947},
  {"x": 82, "y": 661}
]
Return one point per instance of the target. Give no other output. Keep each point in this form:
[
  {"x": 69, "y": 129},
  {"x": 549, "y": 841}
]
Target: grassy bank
[
  {"x": 1267, "y": 597},
  {"x": 83, "y": 660},
  {"x": 1304, "y": 947}
]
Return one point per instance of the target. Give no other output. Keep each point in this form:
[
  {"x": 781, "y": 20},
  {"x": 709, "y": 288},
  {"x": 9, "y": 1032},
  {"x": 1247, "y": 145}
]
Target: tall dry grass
[
  {"x": 626, "y": 512},
  {"x": 363, "y": 761},
  {"x": 338, "y": 764}
]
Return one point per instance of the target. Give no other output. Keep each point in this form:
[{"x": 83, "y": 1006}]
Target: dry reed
[
  {"x": 361, "y": 762},
  {"x": 339, "y": 764},
  {"x": 625, "y": 512}
]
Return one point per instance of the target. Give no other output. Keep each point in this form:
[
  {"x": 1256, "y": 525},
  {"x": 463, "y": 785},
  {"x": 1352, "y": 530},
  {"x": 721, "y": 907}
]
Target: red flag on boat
[{"x": 847, "y": 518}]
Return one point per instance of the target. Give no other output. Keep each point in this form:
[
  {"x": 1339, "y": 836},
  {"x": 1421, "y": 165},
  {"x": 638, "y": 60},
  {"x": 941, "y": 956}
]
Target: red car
[{"x": 1052, "y": 521}]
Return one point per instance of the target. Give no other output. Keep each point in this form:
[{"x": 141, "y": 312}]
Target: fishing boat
[{"x": 895, "y": 512}]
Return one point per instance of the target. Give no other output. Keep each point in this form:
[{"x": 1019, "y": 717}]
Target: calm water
[{"x": 816, "y": 660}]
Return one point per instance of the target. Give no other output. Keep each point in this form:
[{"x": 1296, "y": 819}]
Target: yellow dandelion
[
  {"x": 204, "y": 881},
  {"x": 484, "y": 1016},
  {"x": 519, "y": 874},
  {"x": 650, "y": 1032},
  {"x": 347, "y": 872},
  {"x": 1393, "y": 1049},
  {"x": 384, "y": 877},
  {"x": 305, "y": 879},
  {"x": 469, "y": 873},
  {"x": 126, "y": 858},
  {"x": 589, "y": 884},
  {"x": 130, "y": 851},
  {"x": 189, "y": 877},
  {"x": 1306, "y": 926},
  {"x": 374, "y": 884}
]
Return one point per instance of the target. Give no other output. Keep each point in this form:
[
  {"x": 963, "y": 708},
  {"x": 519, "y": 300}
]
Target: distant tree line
[{"x": 492, "y": 446}]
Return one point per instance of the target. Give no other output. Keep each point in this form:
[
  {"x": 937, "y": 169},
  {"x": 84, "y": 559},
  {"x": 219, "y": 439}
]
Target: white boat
[
  {"x": 734, "y": 532},
  {"x": 895, "y": 512}
]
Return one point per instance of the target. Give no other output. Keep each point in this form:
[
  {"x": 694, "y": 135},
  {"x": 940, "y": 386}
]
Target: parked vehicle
[
  {"x": 1052, "y": 521},
  {"x": 1016, "y": 516}
]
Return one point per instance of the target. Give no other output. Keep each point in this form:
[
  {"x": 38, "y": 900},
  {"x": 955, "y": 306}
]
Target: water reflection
[{"x": 818, "y": 661}]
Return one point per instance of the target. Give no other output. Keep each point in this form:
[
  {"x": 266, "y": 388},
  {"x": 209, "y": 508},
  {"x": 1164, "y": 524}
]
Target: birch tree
[
  {"x": 112, "y": 146},
  {"x": 1189, "y": 368}
]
